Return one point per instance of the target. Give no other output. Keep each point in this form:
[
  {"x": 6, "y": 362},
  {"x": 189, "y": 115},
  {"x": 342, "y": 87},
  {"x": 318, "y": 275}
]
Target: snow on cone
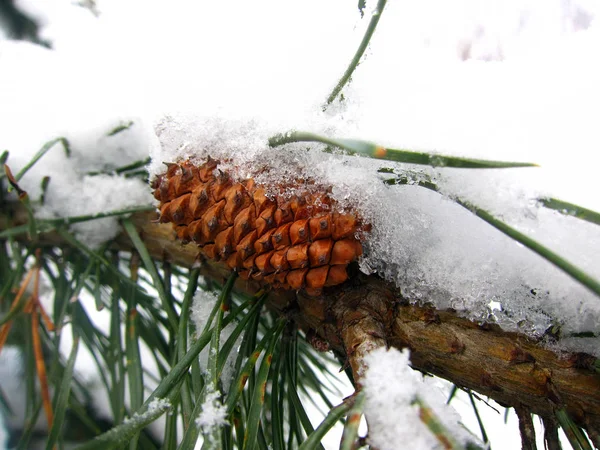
[{"x": 291, "y": 242}]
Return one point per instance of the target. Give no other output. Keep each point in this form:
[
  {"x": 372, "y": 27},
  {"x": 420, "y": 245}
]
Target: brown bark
[
  {"x": 510, "y": 368},
  {"x": 551, "y": 440},
  {"x": 526, "y": 428}
]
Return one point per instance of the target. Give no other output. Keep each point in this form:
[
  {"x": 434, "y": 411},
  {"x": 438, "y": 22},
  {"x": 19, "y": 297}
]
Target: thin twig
[
  {"x": 526, "y": 428},
  {"x": 551, "y": 434}
]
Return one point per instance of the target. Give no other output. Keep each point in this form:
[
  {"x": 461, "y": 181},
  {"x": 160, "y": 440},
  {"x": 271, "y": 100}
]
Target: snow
[
  {"x": 202, "y": 305},
  {"x": 392, "y": 391},
  {"x": 509, "y": 80},
  {"x": 213, "y": 412},
  {"x": 156, "y": 407}
]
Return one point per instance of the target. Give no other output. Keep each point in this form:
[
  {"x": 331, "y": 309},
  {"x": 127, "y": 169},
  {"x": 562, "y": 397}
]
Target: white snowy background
[{"x": 505, "y": 80}]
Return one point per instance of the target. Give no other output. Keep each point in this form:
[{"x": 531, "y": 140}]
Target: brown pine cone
[{"x": 288, "y": 242}]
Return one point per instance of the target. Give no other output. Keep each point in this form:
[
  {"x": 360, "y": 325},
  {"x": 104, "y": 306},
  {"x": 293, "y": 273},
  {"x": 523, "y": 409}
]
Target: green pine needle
[
  {"x": 62, "y": 397},
  {"x": 182, "y": 343},
  {"x": 45, "y": 148},
  {"x": 570, "y": 209},
  {"x": 134, "y": 366},
  {"x": 370, "y": 150},
  {"x": 567, "y": 267},
  {"x": 430, "y": 419},
  {"x": 151, "y": 268},
  {"x": 123, "y": 433},
  {"x": 3, "y": 158},
  {"x": 479, "y": 421},
  {"x": 574, "y": 434},
  {"x": 237, "y": 331},
  {"x": 300, "y": 411},
  {"x": 335, "y": 415},
  {"x": 355, "y": 414},
  {"x": 238, "y": 385},
  {"x": 258, "y": 398},
  {"x": 359, "y": 53},
  {"x": 120, "y": 128}
]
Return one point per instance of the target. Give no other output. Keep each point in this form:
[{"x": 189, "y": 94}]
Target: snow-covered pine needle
[
  {"x": 78, "y": 263},
  {"x": 123, "y": 433},
  {"x": 212, "y": 417}
]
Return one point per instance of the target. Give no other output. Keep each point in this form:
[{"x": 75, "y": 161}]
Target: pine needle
[{"x": 370, "y": 150}]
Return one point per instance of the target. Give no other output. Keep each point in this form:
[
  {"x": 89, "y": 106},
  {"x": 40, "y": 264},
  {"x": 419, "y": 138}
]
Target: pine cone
[{"x": 293, "y": 242}]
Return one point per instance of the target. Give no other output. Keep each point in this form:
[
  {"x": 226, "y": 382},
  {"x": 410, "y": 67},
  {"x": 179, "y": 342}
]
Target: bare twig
[
  {"x": 526, "y": 428},
  {"x": 551, "y": 433}
]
